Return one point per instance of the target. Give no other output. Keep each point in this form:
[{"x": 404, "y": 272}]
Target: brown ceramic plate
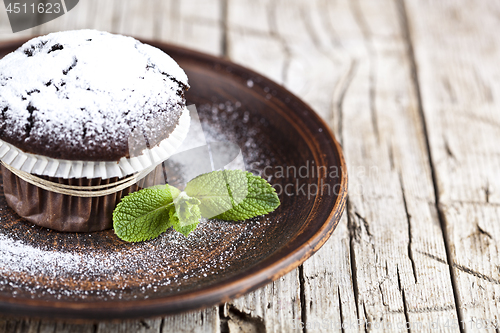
[{"x": 96, "y": 276}]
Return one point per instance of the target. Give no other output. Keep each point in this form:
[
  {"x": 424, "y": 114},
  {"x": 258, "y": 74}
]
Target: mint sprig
[
  {"x": 141, "y": 215},
  {"x": 231, "y": 195},
  {"x": 186, "y": 214}
]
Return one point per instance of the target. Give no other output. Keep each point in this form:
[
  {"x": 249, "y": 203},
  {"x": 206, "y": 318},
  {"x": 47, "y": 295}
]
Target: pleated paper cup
[
  {"x": 66, "y": 212},
  {"x": 70, "y": 213}
]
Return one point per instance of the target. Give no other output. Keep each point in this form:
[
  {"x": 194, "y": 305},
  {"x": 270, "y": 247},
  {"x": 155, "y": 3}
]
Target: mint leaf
[
  {"x": 185, "y": 215},
  {"x": 232, "y": 195},
  {"x": 212, "y": 190},
  {"x": 183, "y": 229},
  {"x": 145, "y": 214}
]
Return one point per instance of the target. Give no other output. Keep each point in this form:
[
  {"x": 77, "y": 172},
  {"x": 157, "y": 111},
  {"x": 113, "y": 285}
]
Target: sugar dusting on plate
[
  {"x": 165, "y": 262},
  {"x": 97, "y": 266}
]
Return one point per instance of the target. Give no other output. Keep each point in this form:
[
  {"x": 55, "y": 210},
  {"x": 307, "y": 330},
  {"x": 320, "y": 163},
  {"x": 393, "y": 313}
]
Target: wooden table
[{"x": 411, "y": 88}]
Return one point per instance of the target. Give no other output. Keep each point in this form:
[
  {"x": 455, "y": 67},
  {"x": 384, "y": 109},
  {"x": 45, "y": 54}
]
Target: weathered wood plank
[
  {"x": 359, "y": 47},
  {"x": 329, "y": 297},
  {"x": 194, "y": 24},
  {"x": 42, "y": 326},
  {"x": 456, "y": 51},
  {"x": 273, "y": 308},
  {"x": 392, "y": 215},
  {"x": 193, "y": 322},
  {"x": 142, "y": 326}
]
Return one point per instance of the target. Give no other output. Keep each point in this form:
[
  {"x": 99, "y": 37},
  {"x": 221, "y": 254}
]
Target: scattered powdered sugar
[
  {"x": 38, "y": 263},
  {"x": 165, "y": 263},
  {"x": 86, "y": 88}
]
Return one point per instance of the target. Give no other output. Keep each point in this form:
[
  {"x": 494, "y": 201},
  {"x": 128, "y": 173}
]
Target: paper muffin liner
[
  {"x": 69, "y": 213},
  {"x": 66, "y": 169}
]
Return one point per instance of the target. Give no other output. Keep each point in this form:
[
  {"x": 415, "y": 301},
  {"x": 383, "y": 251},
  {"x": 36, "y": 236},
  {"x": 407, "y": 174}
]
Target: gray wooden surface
[{"x": 411, "y": 88}]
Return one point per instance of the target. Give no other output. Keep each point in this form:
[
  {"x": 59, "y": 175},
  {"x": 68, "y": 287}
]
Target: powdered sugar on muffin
[{"x": 79, "y": 95}]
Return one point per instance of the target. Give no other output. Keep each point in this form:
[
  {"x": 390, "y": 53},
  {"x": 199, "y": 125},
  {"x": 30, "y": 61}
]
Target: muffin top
[{"x": 85, "y": 95}]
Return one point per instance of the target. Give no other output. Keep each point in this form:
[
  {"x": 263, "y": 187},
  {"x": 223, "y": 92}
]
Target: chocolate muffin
[{"x": 84, "y": 108}]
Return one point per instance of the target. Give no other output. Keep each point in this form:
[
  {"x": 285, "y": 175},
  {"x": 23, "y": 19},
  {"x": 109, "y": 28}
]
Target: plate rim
[{"x": 220, "y": 292}]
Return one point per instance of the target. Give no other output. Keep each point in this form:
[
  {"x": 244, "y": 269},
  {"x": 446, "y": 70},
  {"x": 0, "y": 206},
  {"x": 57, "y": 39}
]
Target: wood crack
[
  {"x": 341, "y": 314},
  {"x": 244, "y": 321},
  {"x": 373, "y": 110},
  {"x": 433, "y": 309},
  {"x": 365, "y": 224},
  {"x": 479, "y": 119},
  {"x": 487, "y": 194},
  {"x": 476, "y": 274},
  {"x": 405, "y": 305},
  {"x": 162, "y": 322},
  {"x": 410, "y": 237},
  {"x": 484, "y": 232},
  {"x": 433, "y": 257},
  {"x": 313, "y": 36},
  {"x": 426, "y": 309},
  {"x": 302, "y": 294},
  {"x": 175, "y": 15},
  {"x": 352, "y": 260},
  {"x": 223, "y": 319},
  {"x": 470, "y": 202},
  {"x": 447, "y": 147},
  {"x": 485, "y": 89},
  {"x": 464, "y": 269},
  {"x": 405, "y": 28},
  {"x": 144, "y": 324},
  {"x": 366, "y": 323}
]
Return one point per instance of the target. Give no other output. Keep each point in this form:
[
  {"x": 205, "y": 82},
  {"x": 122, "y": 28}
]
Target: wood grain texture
[
  {"x": 456, "y": 51},
  {"x": 353, "y": 62},
  {"x": 349, "y": 60},
  {"x": 392, "y": 216},
  {"x": 207, "y": 320},
  {"x": 271, "y": 309},
  {"x": 39, "y": 326}
]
